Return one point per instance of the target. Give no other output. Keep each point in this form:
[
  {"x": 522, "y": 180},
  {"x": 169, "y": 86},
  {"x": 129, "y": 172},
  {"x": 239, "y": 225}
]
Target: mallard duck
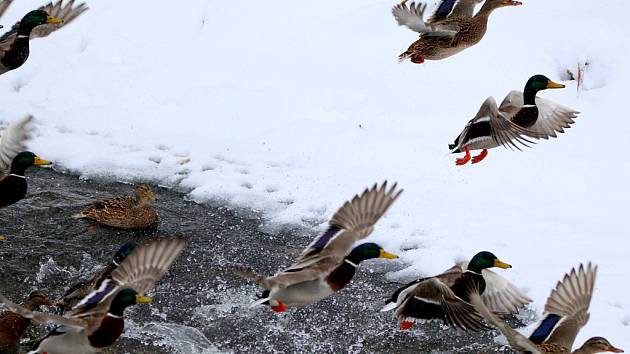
[
  {"x": 13, "y": 326},
  {"x": 326, "y": 266},
  {"x": 445, "y": 297},
  {"x": 451, "y": 29},
  {"x": 14, "y": 45},
  {"x": 97, "y": 321},
  {"x": 521, "y": 116},
  {"x": 13, "y": 186},
  {"x": 566, "y": 312},
  {"x": 80, "y": 290},
  {"x": 124, "y": 212}
]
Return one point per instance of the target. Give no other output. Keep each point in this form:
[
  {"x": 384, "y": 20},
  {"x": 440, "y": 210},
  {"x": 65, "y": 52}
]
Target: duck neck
[
  {"x": 529, "y": 95},
  {"x": 24, "y": 29},
  {"x": 487, "y": 8},
  {"x": 474, "y": 269},
  {"x": 117, "y": 308},
  {"x": 585, "y": 349},
  {"x": 18, "y": 169}
]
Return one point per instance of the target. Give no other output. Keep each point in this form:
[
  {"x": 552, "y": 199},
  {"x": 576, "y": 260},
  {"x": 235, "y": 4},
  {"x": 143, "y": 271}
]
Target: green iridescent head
[
  {"x": 485, "y": 260},
  {"x": 541, "y": 82},
  {"x": 368, "y": 251},
  {"x": 38, "y": 17},
  {"x": 24, "y": 160}
]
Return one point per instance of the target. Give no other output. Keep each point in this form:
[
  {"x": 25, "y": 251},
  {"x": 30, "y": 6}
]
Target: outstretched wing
[
  {"x": 67, "y": 13},
  {"x": 41, "y": 317},
  {"x": 457, "y": 312},
  {"x": 412, "y": 17},
  {"x": 517, "y": 341},
  {"x": 453, "y": 9},
  {"x": 4, "y": 5},
  {"x": 13, "y": 141},
  {"x": 569, "y": 301},
  {"x": 501, "y": 296},
  {"x": 354, "y": 221},
  {"x": 552, "y": 117}
]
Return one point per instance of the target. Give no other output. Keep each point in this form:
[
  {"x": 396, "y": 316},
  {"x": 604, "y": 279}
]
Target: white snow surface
[{"x": 292, "y": 108}]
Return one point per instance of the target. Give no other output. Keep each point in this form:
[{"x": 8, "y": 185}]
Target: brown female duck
[
  {"x": 132, "y": 212},
  {"x": 451, "y": 29},
  {"x": 566, "y": 312},
  {"x": 13, "y": 325}
]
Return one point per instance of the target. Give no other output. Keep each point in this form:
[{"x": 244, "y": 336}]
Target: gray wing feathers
[
  {"x": 553, "y": 118},
  {"x": 148, "y": 264},
  {"x": 67, "y": 13},
  {"x": 40, "y": 317},
  {"x": 13, "y": 141},
  {"x": 361, "y": 213},
  {"x": 571, "y": 299},
  {"x": 4, "y": 5},
  {"x": 504, "y": 132},
  {"x": 412, "y": 17},
  {"x": 516, "y": 340}
]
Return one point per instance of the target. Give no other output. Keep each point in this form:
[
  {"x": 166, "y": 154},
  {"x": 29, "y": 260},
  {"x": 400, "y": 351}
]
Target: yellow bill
[
  {"x": 387, "y": 255},
  {"x": 53, "y": 20},
  {"x": 143, "y": 299},
  {"x": 554, "y": 85},
  {"x": 39, "y": 161},
  {"x": 501, "y": 264}
]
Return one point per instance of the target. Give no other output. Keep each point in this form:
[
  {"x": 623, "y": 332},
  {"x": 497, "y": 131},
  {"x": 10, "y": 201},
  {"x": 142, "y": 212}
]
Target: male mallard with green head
[
  {"x": 566, "y": 312},
  {"x": 522, "y": 115},
  {"x": 327, "y": 265},
  {"x": 97, "y": 321},
  {"x": 13, "y": 186},
  {"x": 13, "y": 326},
  {"x": 14, "y": 45},
  {"x": 81, "y": 289},
  {"x": 451, "y": 29},
  {"x": 445, "y": 297}
]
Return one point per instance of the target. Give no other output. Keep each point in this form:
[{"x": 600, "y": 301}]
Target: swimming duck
[
  {"x": 451, "y": 29},
  {"x": 445, "y": 296},
  {"x": 13, "y": 326},
  {"x": 80, "y": 290},
  {"x": 124, "y": 212},
  {"x": 13, "y": 186},
  {"x": 97, "y": 321},
  {"x": 14, "y": 45},
  {"x": 327, "y": 265},
  {"x": 566, "y": 312},
  {"x": 521, "y": 116}
]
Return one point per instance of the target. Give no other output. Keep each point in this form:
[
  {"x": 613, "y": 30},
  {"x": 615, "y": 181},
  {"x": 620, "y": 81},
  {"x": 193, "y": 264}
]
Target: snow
[{"x": 293, "y": 108}]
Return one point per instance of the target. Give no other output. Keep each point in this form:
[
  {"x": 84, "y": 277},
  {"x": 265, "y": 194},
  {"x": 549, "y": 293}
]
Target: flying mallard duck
[
  {"x": 451, "y": 29},
  {"x": 522, "y": 115},
  {"x": 13, "y": 326},
  {"x": 326, "y": 266},
  {"x": 80, "y": 290},
  {"x": 13, "y": 164},
  {"x": 445, "y": 296},
  {"x": 566, "y": 312},
  {"x": 97, "y": 321},
  {"x": 14, "y": 45},
  {"x": 124, "y": 212}
]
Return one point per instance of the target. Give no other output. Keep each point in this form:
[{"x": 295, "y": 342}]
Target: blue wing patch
[
  {"x": 323, "y": 240},
  {"x": 545, "y": 328},
  {"x": 445, "y": 8},
  {"x": 107, "y": 288}
]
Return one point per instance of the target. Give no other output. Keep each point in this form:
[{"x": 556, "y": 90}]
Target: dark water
[{"x": 200, "y": 306}]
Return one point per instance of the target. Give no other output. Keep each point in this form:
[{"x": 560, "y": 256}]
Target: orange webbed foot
[
  {"x": 464, "y": 160},
  {"x": 280, "y": 308},
  {"x": 417, "y": 59},
  {"x": 481, "y": 156},
  {"x": 405, "y": 325}
]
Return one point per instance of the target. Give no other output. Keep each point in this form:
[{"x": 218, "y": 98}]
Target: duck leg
[
  {"x": 417, "y": 59},
  {"x": 464, "y": 159},
  {"x": 481, "y": 156},
  {"x": 281, "y": 307}
]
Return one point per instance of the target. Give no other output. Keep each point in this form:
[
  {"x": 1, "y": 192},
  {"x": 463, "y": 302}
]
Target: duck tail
[
  {"x": 404, "y": 56},
  {"x": 390, "y": 306},
  {"x": 81, "y": 215},
  {"x": 251, "y": 275}
]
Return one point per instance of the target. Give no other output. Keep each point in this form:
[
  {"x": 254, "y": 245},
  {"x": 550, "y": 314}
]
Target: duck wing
[
  {"x": 516, "y": 340},
  {"x": 566, "y": 310},
  {"x": 553, "y": 118},
  {"x": 412, "y": 17},
  {"x": 457, "y": 312},
  {"x": 41, "y": 317},
  {"x": 453, "y": 9},
  {"x": 67, "y": 13},
  {"x": 13, "y": 141},
  {"x": 501, "y": 296}
]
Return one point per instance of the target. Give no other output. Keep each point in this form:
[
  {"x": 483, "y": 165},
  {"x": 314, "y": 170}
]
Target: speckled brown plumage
[
  {"x": 132, "y": 212},
  {"x": 13, "y": 326}
]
